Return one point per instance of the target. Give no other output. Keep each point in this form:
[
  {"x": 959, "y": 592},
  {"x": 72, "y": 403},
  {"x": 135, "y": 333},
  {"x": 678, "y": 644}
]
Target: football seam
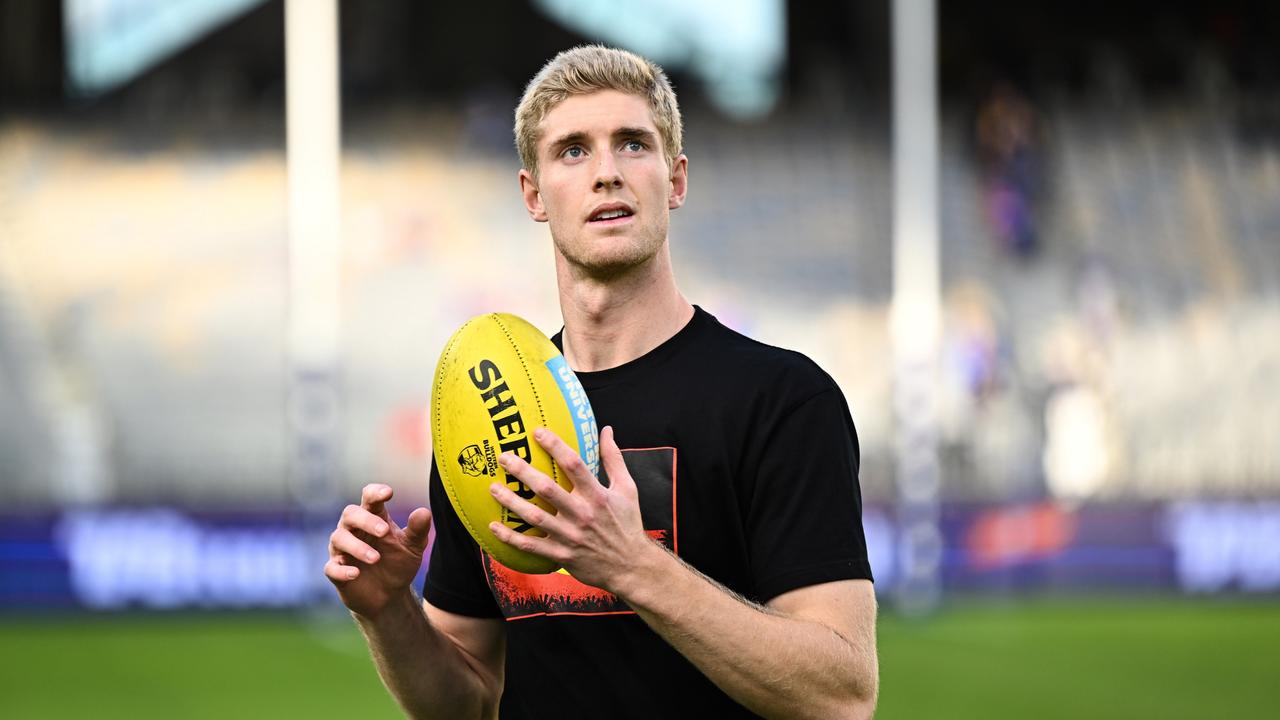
[
  {"x": 533, "y": 388},
  {"x": 450, "y": 489}
]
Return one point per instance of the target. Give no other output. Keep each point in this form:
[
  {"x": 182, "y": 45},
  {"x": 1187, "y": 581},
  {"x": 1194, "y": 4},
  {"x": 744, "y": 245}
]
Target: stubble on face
[{"x": 609, "y": 258}]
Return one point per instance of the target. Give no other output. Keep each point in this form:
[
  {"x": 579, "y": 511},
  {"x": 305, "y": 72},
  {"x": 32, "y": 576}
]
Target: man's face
[{"x": 603, "y": 183}]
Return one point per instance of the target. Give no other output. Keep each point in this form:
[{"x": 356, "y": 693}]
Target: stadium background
[{"x": 1108, "y": 407}]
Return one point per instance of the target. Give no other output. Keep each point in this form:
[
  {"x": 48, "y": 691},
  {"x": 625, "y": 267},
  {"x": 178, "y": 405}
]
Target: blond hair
[{"x": 588, "y": 69}]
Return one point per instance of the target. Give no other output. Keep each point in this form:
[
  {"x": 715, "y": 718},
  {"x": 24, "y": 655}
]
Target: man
[{"x": 717, "y": 568}]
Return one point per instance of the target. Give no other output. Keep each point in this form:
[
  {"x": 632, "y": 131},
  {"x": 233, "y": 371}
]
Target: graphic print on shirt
[{"x": 520, "y": 595}]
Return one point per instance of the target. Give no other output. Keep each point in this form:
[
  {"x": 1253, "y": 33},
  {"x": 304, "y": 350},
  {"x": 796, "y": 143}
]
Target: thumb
[
  {"x": 417, "y": 529},
  {"x": 614, "y": 465}
]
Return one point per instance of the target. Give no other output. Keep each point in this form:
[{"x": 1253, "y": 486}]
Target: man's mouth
[{"x": 610, "y": 215}]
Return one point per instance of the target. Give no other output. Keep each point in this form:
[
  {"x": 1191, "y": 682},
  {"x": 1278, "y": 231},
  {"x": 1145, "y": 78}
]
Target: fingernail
[
  {"x": 381, "y": 528},
  {"x": 540, "y": 433},
  {"x": 371, "y": 556},
  {"x": 352, "y": 572},
  {"x": 504, "y": 459}
]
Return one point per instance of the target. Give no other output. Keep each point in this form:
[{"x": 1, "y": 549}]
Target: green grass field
[{"x": 1159, "y": 658}]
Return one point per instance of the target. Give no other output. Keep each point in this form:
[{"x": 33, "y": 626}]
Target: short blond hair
[{"x": 591, "y": 68}]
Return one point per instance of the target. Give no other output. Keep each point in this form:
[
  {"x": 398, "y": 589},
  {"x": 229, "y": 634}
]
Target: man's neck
[{"x": 611, "y": 322}]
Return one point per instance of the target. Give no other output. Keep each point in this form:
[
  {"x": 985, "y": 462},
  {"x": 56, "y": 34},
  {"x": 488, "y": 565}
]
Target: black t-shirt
[{"x": 746, "y": 463}]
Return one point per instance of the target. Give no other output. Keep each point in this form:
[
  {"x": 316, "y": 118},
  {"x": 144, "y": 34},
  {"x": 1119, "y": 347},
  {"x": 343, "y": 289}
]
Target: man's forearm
[
  {"x": 774, "y": 664},
  {"x": 427, "y": 673}
]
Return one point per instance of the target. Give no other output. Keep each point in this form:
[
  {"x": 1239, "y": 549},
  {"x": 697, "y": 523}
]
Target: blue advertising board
[{"x": 164, "y": 558}]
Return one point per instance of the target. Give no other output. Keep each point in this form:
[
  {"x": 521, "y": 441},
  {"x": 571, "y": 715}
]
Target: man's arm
[
  {"x": 808, "y": 653},
  {"x": 434, "y": 662}
]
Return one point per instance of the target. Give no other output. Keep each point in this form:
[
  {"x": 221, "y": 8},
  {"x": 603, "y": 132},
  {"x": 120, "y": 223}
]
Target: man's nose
[{"x": 607, "y": 175}]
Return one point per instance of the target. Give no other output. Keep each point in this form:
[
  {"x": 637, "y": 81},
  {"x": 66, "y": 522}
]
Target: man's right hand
[{"x": 371, "y": 559}]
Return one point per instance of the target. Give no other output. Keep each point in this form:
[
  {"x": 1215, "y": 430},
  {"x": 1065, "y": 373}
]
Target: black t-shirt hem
[
  {"x": 456, "y": 603},
  {"x": 831, "y": 571}
]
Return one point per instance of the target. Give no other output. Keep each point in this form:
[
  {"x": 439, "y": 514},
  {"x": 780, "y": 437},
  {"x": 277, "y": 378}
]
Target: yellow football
[{"x": 497, "y": 381}]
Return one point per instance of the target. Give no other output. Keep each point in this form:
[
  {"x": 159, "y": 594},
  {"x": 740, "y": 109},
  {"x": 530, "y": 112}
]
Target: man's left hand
[{"x": 596, "y": 533}]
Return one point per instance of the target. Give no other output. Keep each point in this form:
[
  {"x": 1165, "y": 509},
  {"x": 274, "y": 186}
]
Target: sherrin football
[{"x": 497, "y": 381}]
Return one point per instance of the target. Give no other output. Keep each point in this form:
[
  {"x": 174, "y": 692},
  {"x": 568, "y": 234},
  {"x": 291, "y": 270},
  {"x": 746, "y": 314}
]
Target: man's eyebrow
[
  {"x": 641, "y": 133},
  {"x": 565, "y": 141}
]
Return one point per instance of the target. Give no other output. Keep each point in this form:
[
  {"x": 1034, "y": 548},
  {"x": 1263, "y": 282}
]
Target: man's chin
[
  {"x": 607, "y": 268},
  {"x": 608, "y": 257}
]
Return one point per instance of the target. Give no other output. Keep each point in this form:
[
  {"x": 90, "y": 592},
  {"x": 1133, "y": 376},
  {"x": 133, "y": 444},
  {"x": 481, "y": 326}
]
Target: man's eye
[
  {"x": 634, "y": 146},
  {"x": 573, "y": 152}
]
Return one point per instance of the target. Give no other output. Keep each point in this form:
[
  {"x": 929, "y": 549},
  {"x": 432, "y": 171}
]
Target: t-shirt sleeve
[
  {"x": 455, "y": 579},
  {"x": 805, "y": 521}
]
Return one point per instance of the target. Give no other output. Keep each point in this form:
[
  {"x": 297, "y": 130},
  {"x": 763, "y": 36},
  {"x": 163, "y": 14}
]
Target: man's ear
[
  {"x": 679, "y": 182},
  {"x": 532, "y": 197}
]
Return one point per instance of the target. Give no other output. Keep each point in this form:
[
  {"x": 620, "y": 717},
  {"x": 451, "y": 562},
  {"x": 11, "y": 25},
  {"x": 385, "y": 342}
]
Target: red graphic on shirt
[
  {"x": 657, "y": 535},
  {"x": 521, "y": 595}
]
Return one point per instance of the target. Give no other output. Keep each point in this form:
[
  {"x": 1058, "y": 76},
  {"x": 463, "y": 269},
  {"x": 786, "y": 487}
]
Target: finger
[
  {"x": 527, "y": 511},
  {"x": 538, "y": 481},
  {"x": 339, "y": 572},
  {"x": 355, "y": 517},
  {"x": 374, "y": 497},
  {"x": 545, "y": 547},
  {"x": 417, "y": 529},
  {"x": 343, "y": 541},
  {"x": 614, "y": 464},
  {"x": 568, "y": 460}
]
